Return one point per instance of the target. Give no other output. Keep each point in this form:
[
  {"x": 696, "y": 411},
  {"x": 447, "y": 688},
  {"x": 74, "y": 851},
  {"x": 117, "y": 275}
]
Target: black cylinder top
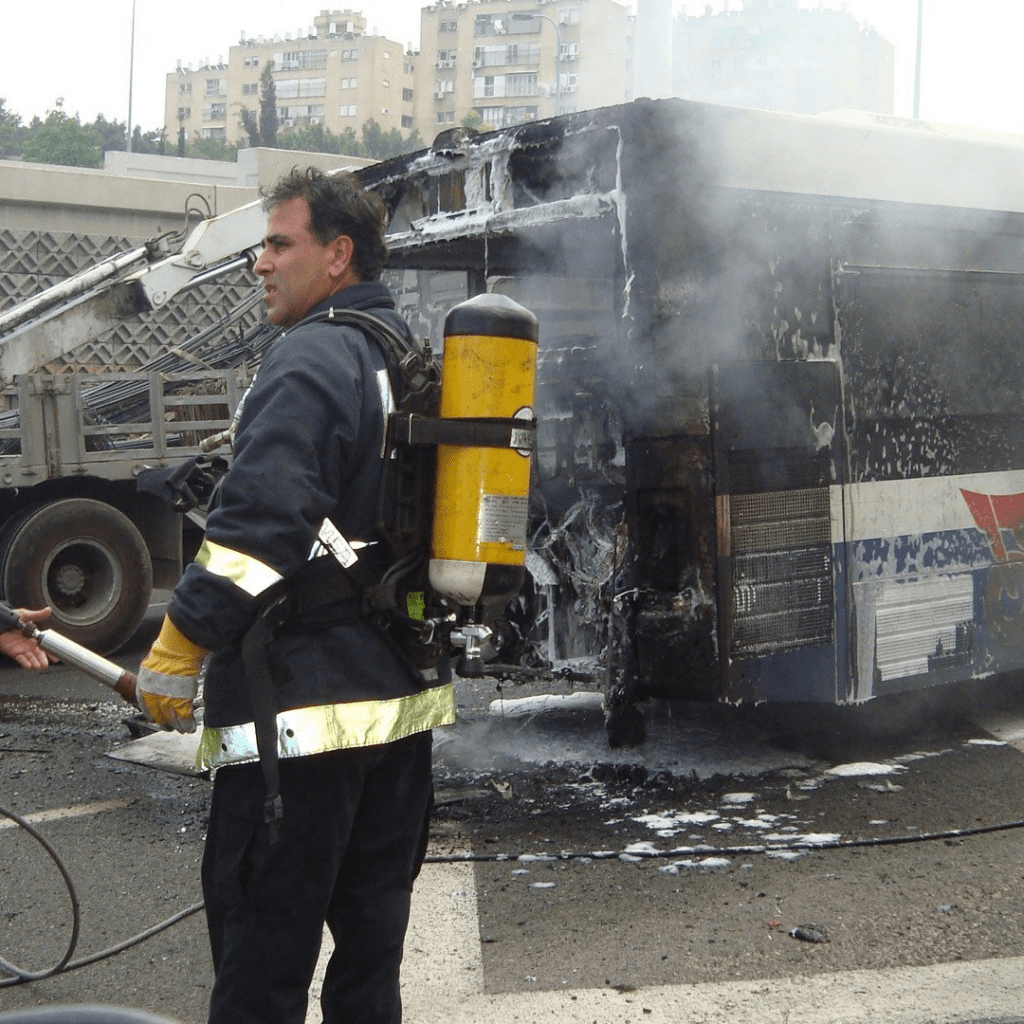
[{"x": 491, "y": 315}]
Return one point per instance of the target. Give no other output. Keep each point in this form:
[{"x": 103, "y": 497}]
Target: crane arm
[{"x": 62, "y": 318}]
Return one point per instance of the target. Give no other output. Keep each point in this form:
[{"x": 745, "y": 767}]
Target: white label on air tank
[{"x": 503, "y": 519}]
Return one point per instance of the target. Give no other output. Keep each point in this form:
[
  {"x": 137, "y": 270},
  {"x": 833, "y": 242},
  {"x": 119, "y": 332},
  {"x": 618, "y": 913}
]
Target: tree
[
  {"x": 154, "y": 141},
  {"x": 348, "y": 143},
  {"x": 213, "y": 149},
  {"x": 313, "y": 138},
  {"x": 373, "y": 140},
  {"x": 268, "y": 106},
  {"x": 111, "y": 135},
  {"x": 62, "y": 140},
  {"x": 476, "y": 122},
  {"x": 249, "y": 123},
  {"x": 11, "y": 131}
]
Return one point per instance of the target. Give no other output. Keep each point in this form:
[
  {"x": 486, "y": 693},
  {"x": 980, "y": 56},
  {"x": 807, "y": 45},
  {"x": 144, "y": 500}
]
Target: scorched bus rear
[{"x": 780, "y": 446}]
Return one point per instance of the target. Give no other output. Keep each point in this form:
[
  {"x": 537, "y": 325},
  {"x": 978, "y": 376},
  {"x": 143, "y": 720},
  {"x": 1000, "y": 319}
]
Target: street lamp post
[
  {"x": 524, "y": 16},
  {"x": 131, "y": 76},
  {"x": 917, "y": 61}
]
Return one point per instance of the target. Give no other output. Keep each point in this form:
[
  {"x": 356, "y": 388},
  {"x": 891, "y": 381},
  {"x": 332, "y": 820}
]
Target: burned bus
[{"x": 780, "y": 449}]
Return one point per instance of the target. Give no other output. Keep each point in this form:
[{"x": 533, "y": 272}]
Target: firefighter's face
[{"x": 297, "y": 271}]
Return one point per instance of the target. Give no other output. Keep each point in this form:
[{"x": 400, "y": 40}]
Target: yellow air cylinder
[{"x": 488, "y": 370}]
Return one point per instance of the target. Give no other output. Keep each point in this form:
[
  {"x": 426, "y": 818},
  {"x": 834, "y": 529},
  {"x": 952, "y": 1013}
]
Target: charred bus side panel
[{"x": 779, "y": 449}]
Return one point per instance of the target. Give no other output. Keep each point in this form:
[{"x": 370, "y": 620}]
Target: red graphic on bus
[{"x": 1001, "y": 518}]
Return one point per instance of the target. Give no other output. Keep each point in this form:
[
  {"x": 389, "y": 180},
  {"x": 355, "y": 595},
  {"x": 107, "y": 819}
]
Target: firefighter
[{"x": 319, "y": 731}]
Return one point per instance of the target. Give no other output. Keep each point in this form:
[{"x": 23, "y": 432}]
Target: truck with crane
[{"x": 76, "y": 533}]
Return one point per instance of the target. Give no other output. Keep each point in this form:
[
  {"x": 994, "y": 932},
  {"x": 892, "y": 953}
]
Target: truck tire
[{"x": 84, "y": 559}]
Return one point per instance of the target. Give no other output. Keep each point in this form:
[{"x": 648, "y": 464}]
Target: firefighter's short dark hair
[{"x": 338, "y": 205}]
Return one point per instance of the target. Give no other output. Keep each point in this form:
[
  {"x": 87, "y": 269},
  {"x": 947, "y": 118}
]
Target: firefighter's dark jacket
[{"x": 308, "y": 447}]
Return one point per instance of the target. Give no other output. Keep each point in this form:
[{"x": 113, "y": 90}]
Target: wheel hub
[{"x": 69, "y": 580}]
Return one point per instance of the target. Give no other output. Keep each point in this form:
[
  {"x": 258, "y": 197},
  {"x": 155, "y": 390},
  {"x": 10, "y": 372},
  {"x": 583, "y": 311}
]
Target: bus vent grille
[{"x": 781, "y": 571}]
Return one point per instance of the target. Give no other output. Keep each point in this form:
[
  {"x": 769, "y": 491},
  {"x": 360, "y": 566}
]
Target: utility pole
[
  {"x": 524, "y": 16},
  {"x": 131, "y": 77},
  {"x": 917, "y": 63}
]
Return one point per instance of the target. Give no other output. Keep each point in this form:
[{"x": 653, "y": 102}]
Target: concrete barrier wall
[
  {"x": 137, "y": 195},
  {"x": 41, "y": 197}
]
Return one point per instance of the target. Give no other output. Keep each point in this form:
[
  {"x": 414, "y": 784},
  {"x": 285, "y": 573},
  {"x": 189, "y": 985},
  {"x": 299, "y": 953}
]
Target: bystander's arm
[{"x": 24, "y": 650}]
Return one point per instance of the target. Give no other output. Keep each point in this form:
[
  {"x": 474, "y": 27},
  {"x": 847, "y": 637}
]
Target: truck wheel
[{"x": 84, "y": 559}]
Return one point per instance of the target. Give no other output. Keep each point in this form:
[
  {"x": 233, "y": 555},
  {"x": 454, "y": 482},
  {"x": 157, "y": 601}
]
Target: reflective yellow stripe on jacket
[
  {"x": 247, "y": 573},
  {"x": 316, "y": 730}
]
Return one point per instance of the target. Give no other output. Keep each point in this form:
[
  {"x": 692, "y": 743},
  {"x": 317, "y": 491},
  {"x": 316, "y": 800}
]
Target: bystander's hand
[{"x": 25, "y": 651}]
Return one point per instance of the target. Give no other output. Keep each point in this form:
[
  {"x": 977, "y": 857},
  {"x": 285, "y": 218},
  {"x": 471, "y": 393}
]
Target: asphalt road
[{"x": 742, "y": 866}]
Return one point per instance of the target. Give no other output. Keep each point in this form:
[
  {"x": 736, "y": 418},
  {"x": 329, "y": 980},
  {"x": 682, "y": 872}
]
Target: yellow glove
[{"x": 169, "y": 679}]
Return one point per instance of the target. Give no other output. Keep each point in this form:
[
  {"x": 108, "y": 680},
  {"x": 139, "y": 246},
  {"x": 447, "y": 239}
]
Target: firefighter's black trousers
[{"x": 352, "y": 840}]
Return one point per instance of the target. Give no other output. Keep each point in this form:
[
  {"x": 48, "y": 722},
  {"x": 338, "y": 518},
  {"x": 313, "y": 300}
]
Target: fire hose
[
  {"x": 122, "y": 682},
  {"x": 71, "y": 653}
]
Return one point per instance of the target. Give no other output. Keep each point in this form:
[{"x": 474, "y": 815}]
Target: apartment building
[
  {"x": 773, "y": 55},
  {"x": 512, "y": 61},
  {"x": 333, "y": 74},
  {"x": 509, "y": 61}
]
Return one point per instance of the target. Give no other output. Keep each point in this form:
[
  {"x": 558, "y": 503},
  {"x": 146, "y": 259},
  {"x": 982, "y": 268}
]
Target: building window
[
  {"x": 406, "y": 121},
  {"x": 347, "y": 111},
  {"x": 294, "y": 88},
  {"x": 502, "y": 54},
  {"x": 385, "y": 84},
  {"x": 525, "y": 26},
  {"x": 521, "y": 85},
  {"x": 184, "y": 87},
  {"x": 251, "y": 62},
  {"x": 407, "y": 95},
  {"x": 250, "y": 88},
  {"x": 494, "y": 116},
  {"x": 447, "y": 26},
  {"x": 348, "y": 83},
  {"x": 184, "y": 113},
  {"x": 349, "y": 54},
  {"x": 213, "y": 87},
  {"x": 489, "y": 25},
  {"x": 520, "y": 115},
  {"x": 301, "y": 60},
  {"x": 215, "y": 111}
]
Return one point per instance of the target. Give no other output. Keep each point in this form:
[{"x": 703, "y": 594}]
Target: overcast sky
[{"x": 972, "y": 71}]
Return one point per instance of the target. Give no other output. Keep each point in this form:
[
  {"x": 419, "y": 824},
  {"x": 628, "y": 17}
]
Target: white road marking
[
  {"x": 443, "y": 983},
  {"x": 443, "y": 976},
  {"x": 60, "y": 813},
  {"x": 442, "y": 947}
]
